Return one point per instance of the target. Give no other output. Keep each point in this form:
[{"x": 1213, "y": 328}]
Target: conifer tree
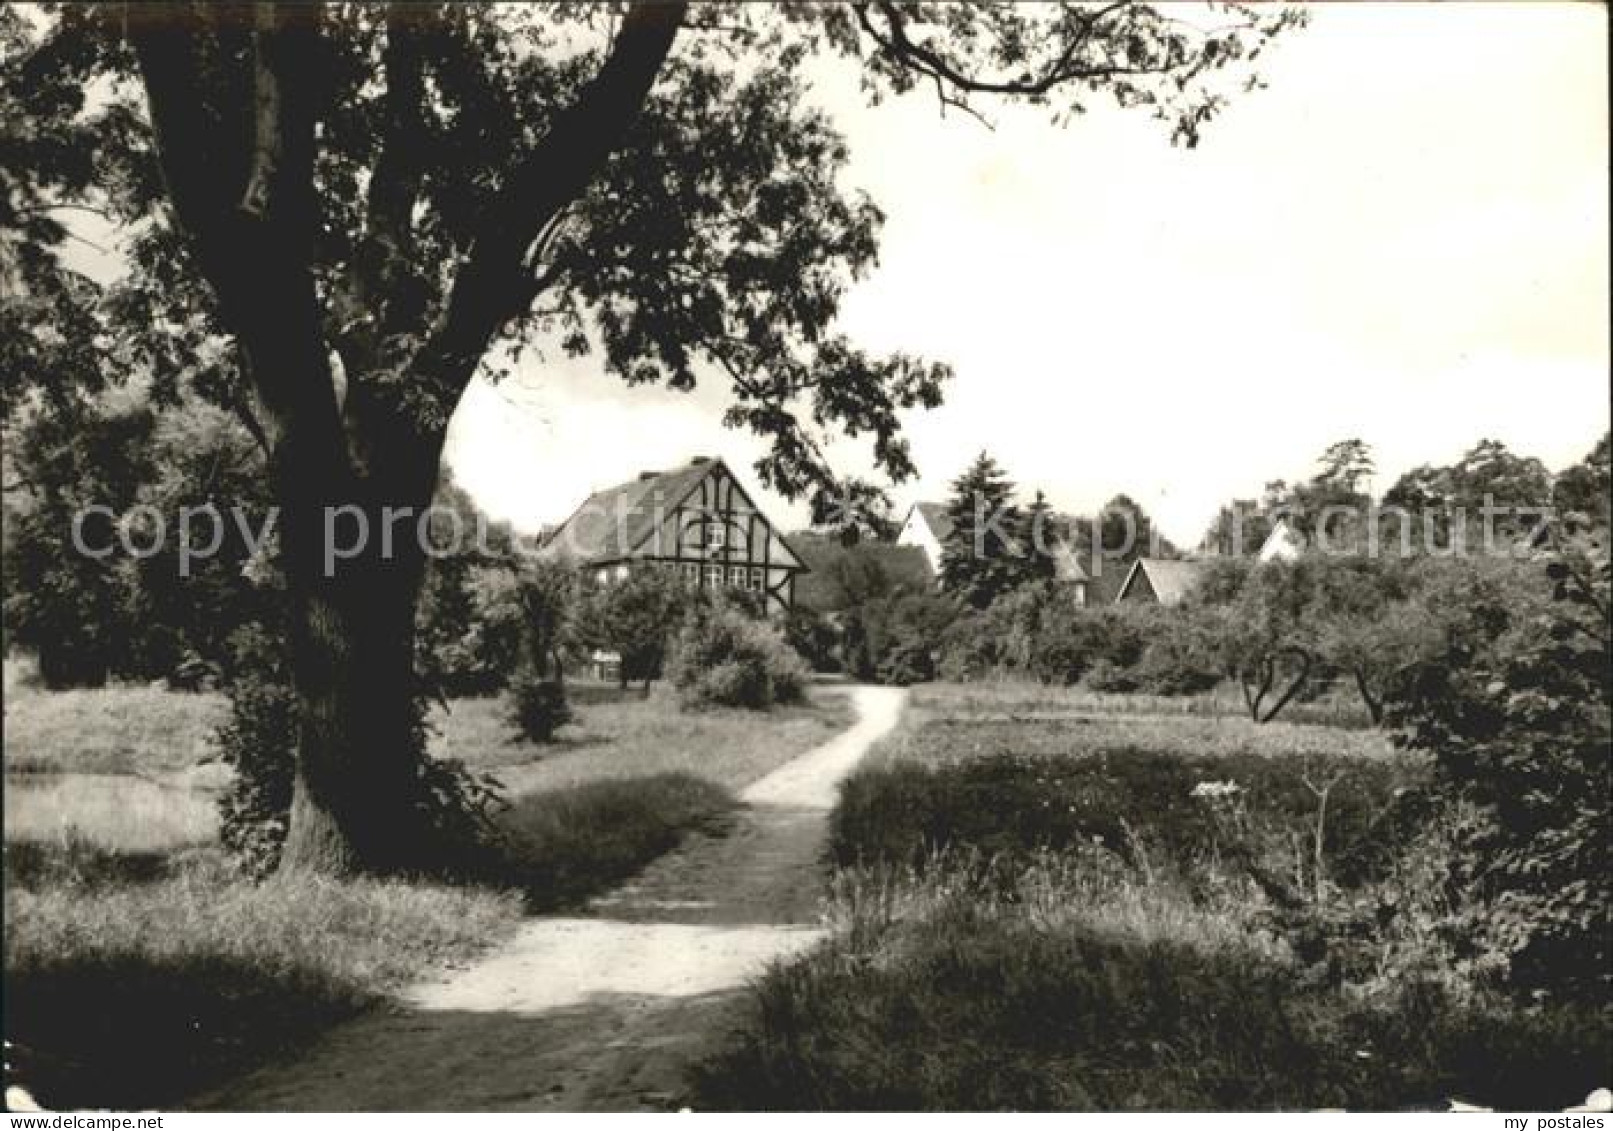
[
  {"x": 980, "y": 557},
  {"x": 1039, "y": 539}
]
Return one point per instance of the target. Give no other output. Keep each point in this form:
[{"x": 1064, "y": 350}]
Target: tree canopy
[{"x": 334, "y": 217}]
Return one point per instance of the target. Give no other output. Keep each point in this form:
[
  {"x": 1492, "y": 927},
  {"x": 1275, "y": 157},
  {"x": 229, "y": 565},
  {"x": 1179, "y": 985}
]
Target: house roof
[
  {"x": 610, "y": 524},
  {"x": 1170, "y": 579},
  {"x": 1283, "y": 542},
  {"x": 936, "y": 518}
]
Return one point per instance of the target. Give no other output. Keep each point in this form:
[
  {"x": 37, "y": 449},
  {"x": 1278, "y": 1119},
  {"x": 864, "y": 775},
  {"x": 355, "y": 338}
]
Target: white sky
[{"x": 1405, "y": 238}]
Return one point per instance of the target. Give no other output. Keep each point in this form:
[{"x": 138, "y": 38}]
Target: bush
[
  {"x": 1047, "y": 990},
  {"x": 1174, "y": 664},
  {"x": 1110, "y": 678},
  {"x": 813, "y": 635},
  {"x": 897, "y": 638},
  {"x": 1519, "y": 722},
  {"x": 539, "y": 706},
  {"x": 634, "y": 617},
  {"x": 543, "y": 599},
  {"x": 724, "y": 659}
]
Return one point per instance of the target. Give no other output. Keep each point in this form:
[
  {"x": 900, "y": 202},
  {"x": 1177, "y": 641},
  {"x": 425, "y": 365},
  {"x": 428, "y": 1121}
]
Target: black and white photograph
[{"x": 698, "y": 556}]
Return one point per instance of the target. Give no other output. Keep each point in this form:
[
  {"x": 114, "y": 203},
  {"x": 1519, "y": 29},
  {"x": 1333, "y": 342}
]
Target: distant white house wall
[{"x": 919, "y": 530}]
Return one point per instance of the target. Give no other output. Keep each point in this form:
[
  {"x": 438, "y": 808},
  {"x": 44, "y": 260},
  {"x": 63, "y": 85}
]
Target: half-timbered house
[{"x": 697, "y": 519}]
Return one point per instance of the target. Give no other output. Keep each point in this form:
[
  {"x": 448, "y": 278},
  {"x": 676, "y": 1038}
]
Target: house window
[
  {"x": 691, "y": 573},
  {"x": 736, "y": 576},
  {"x": 758, "y": 578},
  {"x": 714, "y": 576},
  {"x": 716, "y": 536},
  {"x": 602, "y": 577}
]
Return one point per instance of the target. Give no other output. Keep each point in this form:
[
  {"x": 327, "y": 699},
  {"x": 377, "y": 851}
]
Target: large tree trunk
[
  {"x": 234, "y": 92},
  {"x": 354, "y": 556},
  {"x": 356, "y": 800}
]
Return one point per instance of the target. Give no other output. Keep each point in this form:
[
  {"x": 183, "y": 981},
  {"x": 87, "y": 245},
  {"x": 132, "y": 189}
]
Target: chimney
[
  {"x": 699, "y": 461},
  {"x": 643, "y": 475}
]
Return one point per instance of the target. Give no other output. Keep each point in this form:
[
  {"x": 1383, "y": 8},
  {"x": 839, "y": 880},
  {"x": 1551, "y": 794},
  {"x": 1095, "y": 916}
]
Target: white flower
[{"x": 1216, "y": 790}]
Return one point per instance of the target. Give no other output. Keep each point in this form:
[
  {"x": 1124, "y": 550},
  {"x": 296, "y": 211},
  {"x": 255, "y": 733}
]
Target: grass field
[
  {"x": 1041, "y": 904},
  {"x": 140, "y": 967}
]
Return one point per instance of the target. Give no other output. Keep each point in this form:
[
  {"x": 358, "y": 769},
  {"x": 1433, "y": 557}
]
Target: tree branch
[
  {"x": 236, "y": 146},
  {"x": 900, "y": 47},
  {"x": 168, "y": 44},
  {"x": 495, "y": 283},
  {"x": 399, "y": 172}
]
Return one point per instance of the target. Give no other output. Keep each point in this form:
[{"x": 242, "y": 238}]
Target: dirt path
[{"x": 602, "y": 1011}]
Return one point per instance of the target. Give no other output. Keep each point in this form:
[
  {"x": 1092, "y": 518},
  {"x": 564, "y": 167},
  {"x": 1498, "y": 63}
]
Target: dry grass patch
[
  {"x": 627, "y": 735},
  {"x": 109, "y": 730},
  {"x": 140, "y": 992}
]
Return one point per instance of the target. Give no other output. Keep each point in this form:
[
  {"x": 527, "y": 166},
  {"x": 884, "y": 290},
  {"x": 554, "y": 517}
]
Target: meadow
[
  {"x": 140, "y": 967},
  {"x": 1041, "y": 904}
]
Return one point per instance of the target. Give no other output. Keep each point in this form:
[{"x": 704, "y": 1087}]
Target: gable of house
[
  {"x": 1284, "y": 543},
  {"x": 696, "y": 518},
  {"x": 1159, "y": 581},
  {"x": 927, "y": 527}
]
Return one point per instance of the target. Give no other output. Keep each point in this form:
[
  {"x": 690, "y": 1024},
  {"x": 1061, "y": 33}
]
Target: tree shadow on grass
[
  {"x": 135, "y": 1031},
  {"x": 607, "y": 1052},
  {"x": 76, "y": 862}
]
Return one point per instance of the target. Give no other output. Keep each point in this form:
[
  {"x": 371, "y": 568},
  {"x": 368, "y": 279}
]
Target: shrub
[
  {"x": 1520, "y": 725},
  {"x": 723, "y": 658},
  {"x": 1174, "y": 663},
  {"x": 968, "y": 649},
  {"x": 813, "y": 635},
  {"x": 543, "y": 601},
  {"x": 1061, "y": 655},
  {"x": 539, "y": 706},
  {"x": 1109, "y": 677},
  {"x": 634, "y": 617},
  {"x": 897, "y": 638},
  {"x": 1045, "y": 990}
]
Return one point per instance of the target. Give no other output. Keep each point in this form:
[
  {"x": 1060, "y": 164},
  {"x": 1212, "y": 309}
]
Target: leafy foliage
[
  {"x": 545, "y": 600},
  {"x": 256, "y": 742},
  {"x": 1519, "y": 725},
  {"x": 162, "y": 582},
  {"x": 723, "y": 658},
  {"x": 636, "y": 618}
]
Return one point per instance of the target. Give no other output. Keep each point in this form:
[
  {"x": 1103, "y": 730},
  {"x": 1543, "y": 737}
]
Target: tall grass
[
  {"x": 109, "y": 730},
  {"x": 118, "y": 812},
  {"x": 951, "y": 989},
  {"x": 562, "y": 846},
  {"x": 135, "y": 990},
  {"x": 1337, "y": 707},
  {"x": 140, "y": 968},
  {"x": 1039, "y": 905}
]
